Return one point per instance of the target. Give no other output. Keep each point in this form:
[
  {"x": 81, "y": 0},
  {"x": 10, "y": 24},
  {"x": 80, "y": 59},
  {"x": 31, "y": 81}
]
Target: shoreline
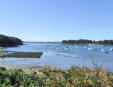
[{"x": 25, "y": 68}]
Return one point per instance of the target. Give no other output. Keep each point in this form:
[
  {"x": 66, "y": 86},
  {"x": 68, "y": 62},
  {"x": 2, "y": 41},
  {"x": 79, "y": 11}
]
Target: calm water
[{"x": 64, "y": 56}]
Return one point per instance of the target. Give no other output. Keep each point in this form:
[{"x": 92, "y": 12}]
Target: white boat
[
  {"x": 90, "y": 49},
  {"x": 65, "y": 48},
  {"x": 102, "y": 50},
  {"x": 111, "y": 49},
  {"x": 85, "y": 47},
  {"x": 76, "y": 46}
]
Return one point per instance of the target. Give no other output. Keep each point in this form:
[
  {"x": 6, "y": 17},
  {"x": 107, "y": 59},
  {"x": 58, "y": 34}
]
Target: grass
[{"x": 51, "y": 77}]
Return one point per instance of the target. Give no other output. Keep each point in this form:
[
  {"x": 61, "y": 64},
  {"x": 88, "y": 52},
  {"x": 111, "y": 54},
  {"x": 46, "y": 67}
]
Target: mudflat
[{"x": 22, "y": 54}]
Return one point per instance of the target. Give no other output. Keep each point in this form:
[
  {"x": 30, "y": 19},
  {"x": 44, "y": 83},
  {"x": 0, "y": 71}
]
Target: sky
[{"x": 57, "y": 20}]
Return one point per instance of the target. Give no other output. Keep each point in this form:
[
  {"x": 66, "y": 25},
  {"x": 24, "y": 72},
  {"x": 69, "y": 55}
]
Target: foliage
[
  {"x": 85, "y": 41},
  {"x": 51, "y": 77},
  {"x": 9, "y": 41}
]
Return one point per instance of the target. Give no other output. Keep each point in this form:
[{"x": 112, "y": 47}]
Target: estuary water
[{"x": 64, "y": 55}]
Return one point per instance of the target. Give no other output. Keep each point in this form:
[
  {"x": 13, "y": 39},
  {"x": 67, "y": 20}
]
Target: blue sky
[{"x": 56, "y": 20}]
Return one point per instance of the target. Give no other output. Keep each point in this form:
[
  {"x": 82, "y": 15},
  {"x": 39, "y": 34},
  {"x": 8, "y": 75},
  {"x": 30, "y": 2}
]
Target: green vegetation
[
  {"x": 9, "y": 41},
  {"x": 85, "y": 41},
  {"x": 51, "y": 77},
  {"x": 1, "y": 51}
]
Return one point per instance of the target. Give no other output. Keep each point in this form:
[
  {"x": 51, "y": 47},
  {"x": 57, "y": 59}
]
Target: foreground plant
[
  {"x": 51, "y": 77},
  {"x": 1, "y": 51}
]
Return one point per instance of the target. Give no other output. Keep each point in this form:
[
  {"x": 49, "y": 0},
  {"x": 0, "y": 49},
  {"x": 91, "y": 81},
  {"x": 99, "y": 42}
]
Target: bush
[{"x": 51, "y": 77}]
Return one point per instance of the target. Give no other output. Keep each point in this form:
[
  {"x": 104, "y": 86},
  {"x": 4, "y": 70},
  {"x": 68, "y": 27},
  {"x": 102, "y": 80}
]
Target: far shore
[
  {"x": 86, "y": 42},
  {"x": 73, "y": 43}
]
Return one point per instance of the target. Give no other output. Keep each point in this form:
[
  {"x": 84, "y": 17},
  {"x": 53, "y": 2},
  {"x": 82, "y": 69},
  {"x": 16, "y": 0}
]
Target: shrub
[{"x": 51, "y": 77}]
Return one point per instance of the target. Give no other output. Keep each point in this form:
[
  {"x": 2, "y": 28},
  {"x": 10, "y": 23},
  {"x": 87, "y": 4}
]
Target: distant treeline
[
  {"x": 85, "y": 41},
  {"x": 9, "y": 41}
]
